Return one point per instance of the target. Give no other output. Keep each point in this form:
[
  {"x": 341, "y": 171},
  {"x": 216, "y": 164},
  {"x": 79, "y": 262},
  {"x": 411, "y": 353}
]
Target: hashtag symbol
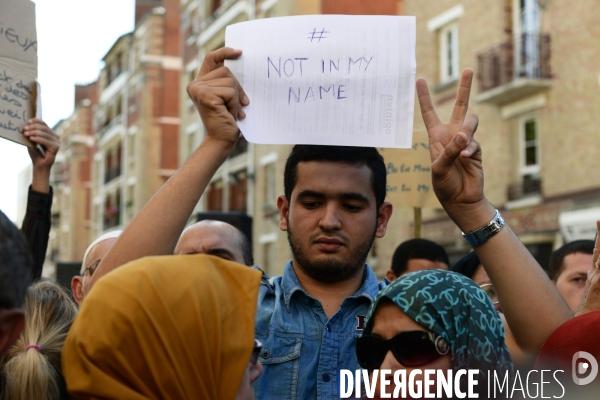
[{"x": 316, "y": 35}]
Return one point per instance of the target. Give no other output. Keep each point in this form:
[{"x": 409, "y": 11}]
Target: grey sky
[{"x": 73, "y": 36}]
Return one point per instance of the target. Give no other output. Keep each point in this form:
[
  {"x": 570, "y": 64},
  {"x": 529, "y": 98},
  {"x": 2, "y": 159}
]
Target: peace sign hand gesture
[{"x": 457, "y": 171}]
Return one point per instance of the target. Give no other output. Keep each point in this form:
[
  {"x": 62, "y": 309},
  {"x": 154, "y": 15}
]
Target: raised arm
[
  {"x": 37, "y": 221},
  {"x": 157, "y": 227},
  {"x": 532, "y": 306}
]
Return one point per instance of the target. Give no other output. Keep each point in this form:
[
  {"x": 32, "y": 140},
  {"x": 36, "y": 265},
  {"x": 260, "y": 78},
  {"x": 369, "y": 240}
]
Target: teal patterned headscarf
[{"x": 453, "y": 306}]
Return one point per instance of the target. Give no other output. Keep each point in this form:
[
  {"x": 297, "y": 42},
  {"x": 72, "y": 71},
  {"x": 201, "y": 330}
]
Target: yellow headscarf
[{"x": 172, "y": 327}]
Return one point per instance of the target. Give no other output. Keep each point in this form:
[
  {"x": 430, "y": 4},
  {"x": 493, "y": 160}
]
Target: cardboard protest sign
[
  {"x": 327, "y": 79},
  {"x": 18, "y": 68},
  {"x": 409, "y": 174}
]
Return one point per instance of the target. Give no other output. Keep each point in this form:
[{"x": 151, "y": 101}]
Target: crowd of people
[{"x": 161, "y": 311}]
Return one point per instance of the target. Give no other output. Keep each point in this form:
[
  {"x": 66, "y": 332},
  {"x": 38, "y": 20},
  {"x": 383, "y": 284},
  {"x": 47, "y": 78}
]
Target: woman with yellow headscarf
[{"x": 171, "y": 327}]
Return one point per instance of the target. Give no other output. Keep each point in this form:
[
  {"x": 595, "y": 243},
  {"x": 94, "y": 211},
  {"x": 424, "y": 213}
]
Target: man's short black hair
[
  {"x": 557, "y": 257},
  {"x": 16, "y": 265},
  {"x": 417, "y": 248},
  {"x": 359, "y": 156}
]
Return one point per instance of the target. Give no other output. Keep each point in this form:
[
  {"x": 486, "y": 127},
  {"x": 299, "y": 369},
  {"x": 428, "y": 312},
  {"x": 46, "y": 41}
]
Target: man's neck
[{"x": 331, "y": 295}]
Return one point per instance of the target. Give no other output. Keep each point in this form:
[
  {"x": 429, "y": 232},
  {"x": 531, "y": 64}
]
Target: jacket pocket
[{"x": 280, "y": 357}]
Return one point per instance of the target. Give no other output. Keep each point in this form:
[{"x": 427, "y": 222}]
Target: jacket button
[
  {"x": 265, "y": 354},
  {"x": 326, "y": 377}
]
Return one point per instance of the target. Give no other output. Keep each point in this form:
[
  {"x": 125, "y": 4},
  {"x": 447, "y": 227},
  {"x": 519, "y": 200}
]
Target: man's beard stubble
[{"x": 329, "y": 270}]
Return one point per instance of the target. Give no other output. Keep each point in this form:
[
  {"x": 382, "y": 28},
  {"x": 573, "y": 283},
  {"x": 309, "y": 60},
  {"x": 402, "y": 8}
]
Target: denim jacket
[{"x": 303, "y": 351}]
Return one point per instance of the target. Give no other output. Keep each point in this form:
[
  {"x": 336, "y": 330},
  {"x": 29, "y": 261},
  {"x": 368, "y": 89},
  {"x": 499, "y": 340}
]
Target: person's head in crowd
[
  {"x": 417, "y": 255},
  {"x": 333, "y": 208},
  {"x": 568, "y": 270},
  {"x": 16, "y": 265},
  {"x": 215, "y": 238},
  {"x": 31, "y": 369},
  {"x": 563, "y": 351},
  {"x": 91, "y": 259},
  {"x": 170, "y": 327},
  {"x": 433, "y": 320},
  {"x": 471, "y": 267}
]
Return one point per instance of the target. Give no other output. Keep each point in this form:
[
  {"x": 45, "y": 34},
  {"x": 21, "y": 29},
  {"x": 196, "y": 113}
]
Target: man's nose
[{"x": 330, "y": 220}]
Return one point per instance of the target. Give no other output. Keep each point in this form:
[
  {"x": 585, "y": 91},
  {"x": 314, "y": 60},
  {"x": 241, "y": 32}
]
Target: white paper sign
[
  {"x": 327, "y": 79},
  {"x": 18, "y": 68}
]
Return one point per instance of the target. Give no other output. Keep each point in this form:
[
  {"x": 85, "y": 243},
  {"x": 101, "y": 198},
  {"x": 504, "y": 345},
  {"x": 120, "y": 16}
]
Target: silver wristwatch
[{"x": 482, "y": 235}]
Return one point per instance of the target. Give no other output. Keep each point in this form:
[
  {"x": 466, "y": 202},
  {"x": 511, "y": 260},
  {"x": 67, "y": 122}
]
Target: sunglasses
[
  {"x": 411, "y": 349},
  {"x": 92, "y": 268},
  {"x": 490, "y": 290},
  {"x": 255, "y": 352}
]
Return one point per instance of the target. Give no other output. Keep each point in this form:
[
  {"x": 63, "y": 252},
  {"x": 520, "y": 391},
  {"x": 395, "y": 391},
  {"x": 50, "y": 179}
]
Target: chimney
[{"x": 85, "y": 92}]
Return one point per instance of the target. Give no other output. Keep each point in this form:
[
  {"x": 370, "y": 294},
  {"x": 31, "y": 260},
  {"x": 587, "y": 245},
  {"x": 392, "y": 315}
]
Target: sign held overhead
[{"x": 327, "y": 79}]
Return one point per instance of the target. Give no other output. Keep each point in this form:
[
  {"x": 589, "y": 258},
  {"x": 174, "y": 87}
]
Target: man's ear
[
  {"x": 77, "y": 289},
  {"x": 390, "y": 275},
  {"x": 11, "y": 325},
  {"x": 383, "y": 217},
  {"x": 284, "y": 207}
]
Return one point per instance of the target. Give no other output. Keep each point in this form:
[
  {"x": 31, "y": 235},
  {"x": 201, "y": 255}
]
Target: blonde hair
[{"x": 26, "y": 372}]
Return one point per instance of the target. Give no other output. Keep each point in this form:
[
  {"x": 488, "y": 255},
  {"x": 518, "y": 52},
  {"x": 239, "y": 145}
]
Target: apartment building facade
[
  {"x": 72, "y": 182},
  {"x": 136, "y": 118},
  {"x": 535, "y": 91},
  {"x": 120, "y": 144},
  {"x": 250, "y": 181}
]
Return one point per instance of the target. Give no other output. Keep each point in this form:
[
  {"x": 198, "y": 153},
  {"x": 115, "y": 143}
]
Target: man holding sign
[{"x": 309, "y": 322}]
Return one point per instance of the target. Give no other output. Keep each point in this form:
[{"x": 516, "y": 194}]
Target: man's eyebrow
[
  {"x": 344, "y": 196},
  {"x": 219, "y": 252},
  {"x": 355, "y": 196},
  {"x": 310, "y": 193}
]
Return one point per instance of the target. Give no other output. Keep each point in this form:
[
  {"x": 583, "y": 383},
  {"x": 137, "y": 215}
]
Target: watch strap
[{"x": 483, "y": 234}]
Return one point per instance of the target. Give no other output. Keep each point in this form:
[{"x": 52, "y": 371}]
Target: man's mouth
[{"x": 329, "y": 244}]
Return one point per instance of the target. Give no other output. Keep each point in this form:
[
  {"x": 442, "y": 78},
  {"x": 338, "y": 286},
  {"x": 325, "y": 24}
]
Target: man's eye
[
  {"x": 352, "y": 208},
  {"x": 311, "y": 204}
]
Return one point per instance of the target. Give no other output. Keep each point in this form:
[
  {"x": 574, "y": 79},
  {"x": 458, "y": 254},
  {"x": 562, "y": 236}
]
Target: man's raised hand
[
  {"x": 457, "y": 172},
  {"x": 219, "y": 97}
]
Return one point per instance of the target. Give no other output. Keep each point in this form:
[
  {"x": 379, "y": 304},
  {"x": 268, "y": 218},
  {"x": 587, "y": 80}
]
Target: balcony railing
[
  {"x": 529, "y": 186},
  {"x": 519, "y": 62},
  {"x": 112, "y": 217},
  {"x": 108, "y": 126}
]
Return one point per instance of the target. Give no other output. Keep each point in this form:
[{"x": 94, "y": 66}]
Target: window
[
  {"x": 119, "y": 106},
  {"x": 529, "y": 182},
  {"x": 449, "y": 69},
  {"x": 214, "y": 6},
  {"x": 214, "y": 196},
  {"x": 238, "y": 189},
  {"x": 526, "y": 26},
  {"x": 529, "y": 143}
]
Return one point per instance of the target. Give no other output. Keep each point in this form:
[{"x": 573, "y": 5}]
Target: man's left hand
[{"x": 38, "y": 132}]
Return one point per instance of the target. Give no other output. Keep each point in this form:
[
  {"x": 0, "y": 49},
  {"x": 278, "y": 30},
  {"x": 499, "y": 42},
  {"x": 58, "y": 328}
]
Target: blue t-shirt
[{"x": 303, "y": 351}]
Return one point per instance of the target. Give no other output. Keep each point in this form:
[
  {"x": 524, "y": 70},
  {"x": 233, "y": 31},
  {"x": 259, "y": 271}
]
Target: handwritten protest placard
[
  {"x": 18, "y": 68},
  {"x": 409, "y": 174},
  {"x": 327, "y": 79}
]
